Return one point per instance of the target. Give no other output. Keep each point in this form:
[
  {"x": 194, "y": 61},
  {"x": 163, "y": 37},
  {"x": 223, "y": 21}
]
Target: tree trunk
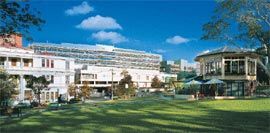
[
  {"x": 39, "y": 96},
  {"x": 267, "y": 63},
  {"x": 267, "y": 71}
]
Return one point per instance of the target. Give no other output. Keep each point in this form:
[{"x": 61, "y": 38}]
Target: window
[
  {"x": 13, "y": 62},
  {"x": 67, "y": 79},
  {"x": 242, "y": 67},
  {"x": 2, "y": 61},
  {"x": 138, "y": 77},
  {"x": 227, "y": 66},
  {"x": 52, "y": 63},
  {"x": 147, "y": 77},
  {"x": 48, "y": 63},
  {"x": 234, "y": 66},
  {"x": 26, "y": 63},
  {"x": 251, "y": 68},
  {"x": 213, "y": 68},
  {"x": 67, "y": 65},
  {"x": 43, "y": 62},
  {"x": 52, "y": 79}
]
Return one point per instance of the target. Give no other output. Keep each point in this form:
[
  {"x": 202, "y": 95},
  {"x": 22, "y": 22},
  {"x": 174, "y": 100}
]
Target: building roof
[{"x": 226, "y": 49}]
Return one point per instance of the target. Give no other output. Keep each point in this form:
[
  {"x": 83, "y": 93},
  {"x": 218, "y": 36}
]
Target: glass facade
[
  {"x": 235, "y": 89},
  {"x": 102, "y": 55}
]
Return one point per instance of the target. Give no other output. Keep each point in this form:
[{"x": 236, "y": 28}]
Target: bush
[
  {"x": 73, "y": 100},
  {"x": 34, "y": 104},
  {"x": 186, "y": 91}
]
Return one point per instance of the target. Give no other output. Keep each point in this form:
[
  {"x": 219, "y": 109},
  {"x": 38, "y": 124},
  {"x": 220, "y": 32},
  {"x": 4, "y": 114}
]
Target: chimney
[
  {"x": 18, "y": 40},
  {"x": 11, "y": 40}
]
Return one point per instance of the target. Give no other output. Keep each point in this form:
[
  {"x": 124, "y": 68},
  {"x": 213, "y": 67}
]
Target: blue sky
[{"x": 172, "y": 28}]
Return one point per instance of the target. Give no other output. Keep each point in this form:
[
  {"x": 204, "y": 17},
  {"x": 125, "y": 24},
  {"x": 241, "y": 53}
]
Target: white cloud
[
  {"x": 99, "y": 23},
  {"x": 177, "y": 40},
  {"x": 112, "y": 37},
  {"x": 160, "y": 51},
  {"x": 84, "y": 8}
]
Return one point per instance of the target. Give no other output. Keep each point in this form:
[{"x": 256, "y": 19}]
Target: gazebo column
[
  {"x": 222, "y": 68},
  {"x": 255, "y": 67},
  {"x": 203, "y": 69},
  {"x": 246, "y": 66}
]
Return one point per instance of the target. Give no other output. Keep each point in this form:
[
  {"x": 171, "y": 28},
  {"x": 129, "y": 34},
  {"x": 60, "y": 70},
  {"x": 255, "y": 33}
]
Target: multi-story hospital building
[{"x": 62, "y": 64}]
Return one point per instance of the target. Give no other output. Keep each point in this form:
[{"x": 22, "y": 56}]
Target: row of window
[
  {"x": 236, "y": 67},
  {"x": 50, "y": 63},
  {"x": 213, "y": 68},
  {"x": 94, "y": 76},
  {"x": 26, "y": 62},
  {"x": 47, "y": 63}
]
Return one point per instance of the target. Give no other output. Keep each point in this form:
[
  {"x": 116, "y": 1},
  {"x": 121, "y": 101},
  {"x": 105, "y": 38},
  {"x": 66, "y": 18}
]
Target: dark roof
[{"x": 227, "y": 49}]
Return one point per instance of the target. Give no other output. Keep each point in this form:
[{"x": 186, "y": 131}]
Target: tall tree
[
  {"x": 156, "y": 83},
  {"x": 17, "y": 16},
  {"x": 72, "y": 90},
  {"x": 7, "y": 86},
  {"x": 241, "y": 22},
  {"x": 37, "y": 84},
  {"x": 85, "y": 91},
  {"x": 126, "y": 86}
]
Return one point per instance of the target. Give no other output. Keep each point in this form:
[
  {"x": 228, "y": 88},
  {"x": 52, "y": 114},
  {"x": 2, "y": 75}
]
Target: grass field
[{"x": 151, "y": 115}]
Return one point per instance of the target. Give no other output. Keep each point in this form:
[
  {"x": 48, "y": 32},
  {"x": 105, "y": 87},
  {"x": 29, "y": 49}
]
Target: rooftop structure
[{"x": 101, "y": 55}]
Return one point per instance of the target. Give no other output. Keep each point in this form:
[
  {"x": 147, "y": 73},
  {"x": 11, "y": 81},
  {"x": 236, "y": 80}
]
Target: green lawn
[{"x": 151, "y": 115}]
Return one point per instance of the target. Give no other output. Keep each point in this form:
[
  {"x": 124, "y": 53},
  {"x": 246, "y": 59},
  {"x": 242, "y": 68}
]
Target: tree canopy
[
  {"x": 241, "y": 23},
  {"x": 37, "y": 84},
  {"x": 233, "y": 21},
  {"x": 126, "y": 81},
  {"x": 7, "y": 86},
  {"x": 156, "y": 83},
  {"x": 18, "y": 17},
  {"x": 85, "y": 90},
  {"x": 185, "y": 75}
]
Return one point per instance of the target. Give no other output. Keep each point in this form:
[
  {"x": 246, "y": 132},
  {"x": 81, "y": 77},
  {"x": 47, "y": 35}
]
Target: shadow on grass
[{"x": 164, "y": 116}]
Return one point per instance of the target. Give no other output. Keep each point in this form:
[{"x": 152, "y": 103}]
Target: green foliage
[
  {"x": 7, "y": 86},
  {"x": 250, "y": 16},
  {"x": 72, "y": 90},
  {"x": 165, "y": 67},
  {"x": 185, "y": 75},
  {"x": 156, "y": 83},
  {"x": 18, "y": 17},
  {"x": 121, "y": 88},
  {"x": 37, "y": 84},
  {"x": 85, "y": 90},
  {"x": 241, "y": 22}
]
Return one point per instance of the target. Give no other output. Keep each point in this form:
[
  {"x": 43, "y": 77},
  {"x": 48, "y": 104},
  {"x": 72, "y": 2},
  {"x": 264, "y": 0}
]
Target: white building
[
  {"x": 22, "y": 62},
  {"x": 101, "y": 65}
]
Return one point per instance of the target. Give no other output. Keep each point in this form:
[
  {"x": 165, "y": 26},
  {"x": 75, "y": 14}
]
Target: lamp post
[{"x": 112, "y": 84}]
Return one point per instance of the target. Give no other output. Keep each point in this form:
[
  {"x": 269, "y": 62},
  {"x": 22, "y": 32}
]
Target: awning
[
  {"x": 193, "y": 82},
  {"x": 214, "y": 81}
]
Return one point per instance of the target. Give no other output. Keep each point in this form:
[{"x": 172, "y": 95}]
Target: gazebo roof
[{"x": 226, "y": 49}]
